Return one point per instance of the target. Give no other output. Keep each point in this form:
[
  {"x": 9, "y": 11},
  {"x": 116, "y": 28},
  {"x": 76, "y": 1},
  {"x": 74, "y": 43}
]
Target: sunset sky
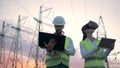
[{"x": 76, "y": 14}]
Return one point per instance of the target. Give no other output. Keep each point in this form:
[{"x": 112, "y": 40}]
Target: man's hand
[
  {"x": 112, "y": 46},
  {"x": 50, "y": 44}
]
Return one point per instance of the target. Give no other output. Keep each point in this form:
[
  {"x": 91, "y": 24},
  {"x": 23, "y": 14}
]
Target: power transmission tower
[
  {"x": 15, "y": 53},
  {"x": 2, "y": 47},
  {"x": 39, "y": 54},
  {"x": 101, "y": 33}
]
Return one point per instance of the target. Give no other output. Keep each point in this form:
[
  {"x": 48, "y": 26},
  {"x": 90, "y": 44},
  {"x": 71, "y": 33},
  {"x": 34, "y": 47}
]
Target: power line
[{"x": 23, "y": 8}]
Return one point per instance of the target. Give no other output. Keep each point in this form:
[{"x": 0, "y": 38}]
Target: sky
[{"x": 76, "y": 14}]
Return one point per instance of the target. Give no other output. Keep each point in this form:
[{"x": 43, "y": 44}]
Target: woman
[{"x": 94, "y": 56}]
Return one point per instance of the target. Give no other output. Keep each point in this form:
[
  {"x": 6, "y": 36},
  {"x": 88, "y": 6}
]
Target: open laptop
[
  {"x": 45, "y": 37},
  {"x": 106, "y": 42}
]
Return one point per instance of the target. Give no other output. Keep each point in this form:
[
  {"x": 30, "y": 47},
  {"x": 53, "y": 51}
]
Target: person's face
[
  {"x": 89, "y": 31},
  {"x": 59, "y": 28}
]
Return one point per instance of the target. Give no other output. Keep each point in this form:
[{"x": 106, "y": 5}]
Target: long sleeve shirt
[
  {"x": 70, "y": 50},
  {"x": 85, "y": 54}
]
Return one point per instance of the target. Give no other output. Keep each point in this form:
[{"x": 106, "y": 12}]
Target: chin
[{"x": 58, "y": 32}]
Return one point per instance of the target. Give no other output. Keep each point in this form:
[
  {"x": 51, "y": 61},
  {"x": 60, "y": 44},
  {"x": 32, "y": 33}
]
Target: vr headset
[{"x": 90, "y": 25}]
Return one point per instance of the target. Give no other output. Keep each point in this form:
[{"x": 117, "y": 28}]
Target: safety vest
[
  {"x": 59, "y": 57},
  {"x": 95, "y": 60}
]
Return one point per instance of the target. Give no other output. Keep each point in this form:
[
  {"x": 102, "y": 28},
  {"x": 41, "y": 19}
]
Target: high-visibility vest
[
  {"x": 59, "y": 57},
  {"x": 95, "y": 60}
]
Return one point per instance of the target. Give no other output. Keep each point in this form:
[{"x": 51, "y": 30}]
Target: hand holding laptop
[
  {"x": 112, "y": 46},
  {"x": 52, "y": 42},
  {"x": 107, "y": 43}
]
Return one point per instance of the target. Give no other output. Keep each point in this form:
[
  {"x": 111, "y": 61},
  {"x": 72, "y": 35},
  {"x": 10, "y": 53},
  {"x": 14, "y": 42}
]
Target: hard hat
[{"x": 58, "y": 20}]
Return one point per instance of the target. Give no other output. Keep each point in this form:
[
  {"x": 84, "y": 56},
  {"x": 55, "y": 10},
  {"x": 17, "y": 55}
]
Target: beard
[{"x": 58, "y": 32}]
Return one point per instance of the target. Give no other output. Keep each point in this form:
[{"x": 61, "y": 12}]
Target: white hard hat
[{"x": 58, "y": 20}]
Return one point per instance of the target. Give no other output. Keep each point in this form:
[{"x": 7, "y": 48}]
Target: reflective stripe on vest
[
  {"x": 95, "y": 60},
  {"x": 95, "y": 67},
  {"x": 59, "y": 57}
]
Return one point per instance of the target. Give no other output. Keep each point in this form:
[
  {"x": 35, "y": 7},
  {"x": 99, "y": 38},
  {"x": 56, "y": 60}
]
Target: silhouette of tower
[
  {"x": 4, "y": 36},
  {"x": 36, "y": 53},
  {"x": 101, "y": 33},
  {"x": 15, "y": 54},
  {"x": 2, "y": 46}
]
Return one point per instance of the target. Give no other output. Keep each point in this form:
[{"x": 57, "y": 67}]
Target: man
[{"x": 59, "y": 59}]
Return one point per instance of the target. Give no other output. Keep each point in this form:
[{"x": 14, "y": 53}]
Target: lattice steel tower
[
  {"x": 36, "y": 52},
  {"x": 101, "y": 33},
  {"x": 15, "y": 54},
  {"x": 2, "y": 46}
]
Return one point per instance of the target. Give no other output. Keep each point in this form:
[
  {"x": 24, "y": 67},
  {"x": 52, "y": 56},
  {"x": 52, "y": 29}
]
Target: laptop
[
  {"x": 106, "y": 42},
  {"x": 45, "y": 37}
]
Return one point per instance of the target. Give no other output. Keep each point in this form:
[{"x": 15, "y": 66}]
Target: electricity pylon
[
  {"x": 15, "y": 53},
  {"x": 3, "y": 36},
  {"x": 37, "y": 53},
  {"x": 101, "y": 33},
  {"x": 2, "y": 47}
]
